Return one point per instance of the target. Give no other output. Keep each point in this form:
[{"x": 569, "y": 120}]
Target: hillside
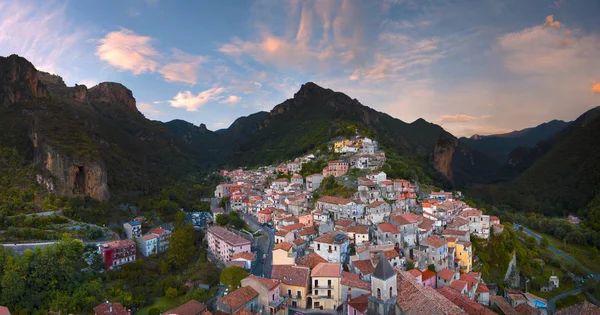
[
  {"x": 315, "y": 115},
  {"x": 500, "y": 146},
  {"x": 564, "y": 176},
  {"x": 85, "y": 142}
]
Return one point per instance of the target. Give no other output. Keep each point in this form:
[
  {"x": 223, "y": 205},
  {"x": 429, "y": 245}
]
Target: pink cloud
[
  {"x": 192, "y": 102},
  {"x": 149, "y": 110},
  {"x": 595, "y": 86},
  {"x": 125, "y": 50},
  {"x": 550, "y": 22},
  {"x": 458, "y": 118},
  {"x": 231, "y": 99},
  {"x": 184, "y": 68}
]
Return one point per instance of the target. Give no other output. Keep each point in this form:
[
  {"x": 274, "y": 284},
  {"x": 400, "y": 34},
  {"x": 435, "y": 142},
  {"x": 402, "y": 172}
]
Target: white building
[
  {"x": 334, "y": 247},
  {"x": 341, "y": 208},
  {"x": 149, "y": 245},
  {"x": 313, "y": 182},
  {"x": 133, "y": 229}
]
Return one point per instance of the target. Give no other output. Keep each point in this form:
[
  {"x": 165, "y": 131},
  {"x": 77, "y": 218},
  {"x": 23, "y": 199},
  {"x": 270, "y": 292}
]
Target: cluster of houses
[{"x": 388, "y": 249}]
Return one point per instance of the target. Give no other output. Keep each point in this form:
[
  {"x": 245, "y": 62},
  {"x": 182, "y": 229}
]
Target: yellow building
[
  {"x": 295, "y": 282},
  {"x": 326, "y": 286},
  {"x": 284, "y": 254},
  {"x": 464, "y": 252},
  {"x": 338, "y": 145}
]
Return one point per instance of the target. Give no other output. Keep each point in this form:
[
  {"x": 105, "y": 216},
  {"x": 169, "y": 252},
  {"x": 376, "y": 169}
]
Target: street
[{"x": 264, "y": 245}]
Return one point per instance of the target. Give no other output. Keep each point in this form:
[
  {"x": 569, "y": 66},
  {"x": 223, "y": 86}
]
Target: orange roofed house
[
  {"x": 233, "y": 302},
  {"x": 117, "y": 253},
  {"x": 224, "y": 244},
  {"x": 336, "y": 168}
]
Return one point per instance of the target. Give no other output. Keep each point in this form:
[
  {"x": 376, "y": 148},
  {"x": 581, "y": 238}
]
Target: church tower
[{"x": 384, "y": 288}]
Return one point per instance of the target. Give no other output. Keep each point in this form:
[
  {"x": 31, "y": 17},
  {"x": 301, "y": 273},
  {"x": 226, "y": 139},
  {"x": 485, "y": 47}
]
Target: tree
[
  {"x": 544, "y": 243},
  {"x": 181, "y": 243},
  {"x": 171, "y": 293},
  {"x": 167, "y": 209},
  {"x": 222, "y": 219},
  {"x": 232, "y": 276},
  {"x": 431, "y": 267},
  {"x": 223, "y": 202},
  {"x": 154, "y": 311},
  {"x": 410, "y": 265}
]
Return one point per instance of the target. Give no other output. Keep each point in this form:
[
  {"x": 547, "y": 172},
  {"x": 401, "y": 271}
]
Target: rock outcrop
[
  {"x": 442, "y": 160},
  {"x": 19, "y": 81},
  {"x": 71, "y": 175},
  {"x": 110, "y": 92}
]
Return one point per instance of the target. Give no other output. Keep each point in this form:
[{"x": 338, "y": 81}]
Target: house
[
  {"x": 414, "y": 299},
  {"x": 280, "y": 183},
  {"x": 334, "y": 247},
  {"x": 225, "y": 244},
  {"x": 295, "y": 283},
  {"x": 270, "y": 300},
  {"x": 163, "y": 238},
  {"x": 438, "y": 251},
  {"x": 189, "y": 308},
  {"x": 364, "y": 268},
  {"x": 340, "y": 208},
  {"x": 133, "y": 229},
  {"x": 387, "y": 233},
  {"x": 4, "y": 310},
  {"x": 464, "y": 252},
  {"x": 429, "y": 278},
  {"x": 148, "y": 245},
  {"x": 284, "y": 235},
  {"x": 307, "y": 219},
  {"x": 483, "y": 295},
  {"x": 357, "y": 234},
  {"x": 368, "y": 191},
  {"x": 313, "y": 182},
  {"x": 110, "y": 308},
  {"x": 336, "y": 168},
  {"x": 462, "y": 236},
  {"x": 417, "y": 274},
  {"x": 384, "y": 288},
  {"x": 359, "y": 305},
  {"x": 377, "y": 177},
  {"x": 294, "y": 167},
  {"x": 311, "y": 260},
  {"x": 353, "y": 286},
  {"x": 264, "y": 216},
  {"x": 582, "y": 308},
  {"x": 298, "y": 179},
  {"x": 224, "y": 190},
  {"x": 307, "y": 233},
  {"x": 117, "y": 253},
  {"x": 236, "y": 300},
  {"x": 245, "y": 257},
  {"x": 284, "y": 253},
  {"x": 326, "y": 284},
  {"x": 377, "y": 211},
  {"x": 466, "y": 304},
  {"x": 445, "y": 277},
  {"x": 408, "y": 225}
]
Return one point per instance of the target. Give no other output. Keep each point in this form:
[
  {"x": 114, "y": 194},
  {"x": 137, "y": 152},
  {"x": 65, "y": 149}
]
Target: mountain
[
  {"x": 315, "y": 115},
  {"x": 500, "y": 146},
  {"x": 85, "y": 142},
  {"x": 564, "y": 176}
]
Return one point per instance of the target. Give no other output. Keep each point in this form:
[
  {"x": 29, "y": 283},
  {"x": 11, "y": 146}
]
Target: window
[
  {"x": 349, "y": 289},
  {"x": 353, "y": 312},
  {"x": 289, "y": 292},
  {"x": 318, "y": 246},
  {"x": 379, "y": 293},
  {"x": 316, "y": 283},
  {"x": 329, "y": 283},
  {"x": 390, "y": 293},
  {"x": 316, "y": 292}
]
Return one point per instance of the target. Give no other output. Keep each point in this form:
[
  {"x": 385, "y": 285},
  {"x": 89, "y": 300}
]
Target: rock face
[
  {"x": 19, "y": 81},
  {"x": 442, "y": 160},
  {"x": 71, "y": 175},
  {"x": 110, "y": 92}
]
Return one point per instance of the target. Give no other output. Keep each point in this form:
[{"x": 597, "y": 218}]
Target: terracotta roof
[
  {"x": 353, "y": 280},
  {"x": 446, "y": 274},
  {"x": 334, "y": 200},
  {"x": 298, "y": 276},
  {"x": 148, "y": 237},
  {"x": 264, "y": 211},
  {"x": 425, "y": 225},
  {"x": 105, "y": 309},
  {"x": 239, "y": 297},
  {"x": 344, "y": 222},
  {"x": 404, "y": 219},
  {"x": 525, "y": 309},
  {"x": 227, "y": 236},
  {"x": 387, "y": 227},
  {"x": 470, "y": 213},
  {"x": 390, "y": 254},
  {"x": 329, "y": 238},
  {"x": 310, "y": 230},
  {"x": 243, "y": 311},
  {"x": 482, "y": 289},
  {"x": 357, "y": 229},
  {"x": 158, "y": 231},
  {"x": 494, "y": 218},
  {"x": 586, "y": 308},
  {"x": 270, "y": 284},
  {"x": 360, "y": 303},
  {"x": 415, "y": 299},
  {"x": 327, "y": 270},
  {"x": 451, "y": 239},
  {"x": 435, "y": 241},
  {"x": 458, "y": 222},
  {"x": 298, "y": 242},
  {"x": 454, "y": 232},
  {"x": 282, "y": 233},
  {"x": 470, "y": 280},
  {"x": 503, "y": 305},
  {"x": 236, "y": 263},
  {"x": 189, "y": 308},
  {"x": 427, "y": 274},
  {"x": 375, "y": 204},
  {"x": 364, "y": 266},
  {"x": 415, "y": 273},
  {"x": 243, "y": 255},
  {"x": 311, "y": 260},
  {"x": 458, "y": 285},
  {"x": 286, "y": 246},
  {"x": 469, "y": 306},
  {"x": 293, "y": 227}
]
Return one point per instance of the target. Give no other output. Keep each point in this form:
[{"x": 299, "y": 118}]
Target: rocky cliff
[
  {"x": 19, "y": 81},
  {"x": 114, "y": 93}
]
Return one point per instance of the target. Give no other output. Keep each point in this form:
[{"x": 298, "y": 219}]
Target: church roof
[{"x": 384, "y": 269}]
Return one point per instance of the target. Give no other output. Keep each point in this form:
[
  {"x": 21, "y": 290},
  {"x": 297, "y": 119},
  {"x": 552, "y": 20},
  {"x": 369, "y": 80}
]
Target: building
[
  {"x": 244, "y": 297},
  {"x": 133, "y": 229},
  {"x": 353, "y": 286},
  {"x": 334, "y": 247},
  {"x": 466, "y": 304},
  {"x": 387, "y": 233},
  {"x": 163, "y": 239},
  {"x": 295, "y": 283},
  {"x": 416, "y": 299},
  {"x": 357, "y": 234},
  {"x": 189, "y": 308},
  {"x": 408, "y": 225},
  {"x": 269, "y": 297},
  {"x": 110, "y": 308},
  {"x": 284, "y": 253},
  {"x": 445, "y": 277},
  {"x": 464, "y": 252},
  {"x": 225, "y": 244},
  {"x": 313, "y": 182},
  {"x": 117, "y": 253},
  {"x": 4, "y": 310},
  {"x": 438, "y": 252},
  {"x": 224, "y": 190},
  {"x": 336, "y": 168},
  {"x": 148, "y": 245},
  {"x": 429, "y": 279},
  {"x": 327, "y": 286},
  {"x": 245, "y": 257},
  {"x": 358, "y": 305},
  {"x": 339, "y": 208},
  {"x": 384, "y": 288},
  {"x": 264, "y": 215}
]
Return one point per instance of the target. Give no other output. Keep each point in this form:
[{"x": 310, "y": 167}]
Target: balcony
[
  {"x": 276, "y": 303},
  {"x": 323, "y": 286}
]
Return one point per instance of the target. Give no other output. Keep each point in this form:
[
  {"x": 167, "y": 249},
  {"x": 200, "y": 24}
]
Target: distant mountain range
[{"x": 94, "y": 142}]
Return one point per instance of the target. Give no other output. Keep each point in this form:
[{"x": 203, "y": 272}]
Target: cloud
[
  {"x": 184, "y": 69},
  {"x": 595, "y": 86},
  {"x": 125, "y": 50},
  {"x": 148, "y": 110},
  {"x": 550, "y": 22},
  {"x": 221, "y": 124},
  {"x": 43, "y": 34},
  {"x": 458, "y": 118},
  {"x": 192, "y": 102},
  {"x": 231, "y": 99}
]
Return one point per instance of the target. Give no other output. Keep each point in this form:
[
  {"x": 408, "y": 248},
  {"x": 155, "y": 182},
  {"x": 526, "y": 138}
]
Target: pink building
[
  {"x": 225, "y": 244},
  {"x": 359, "y": 305},
  {"x": 306, "y": 219},
  {"x": 264, "y": 216},
  {"x": 428, "y": 278},
  {"x": 270, "y": 300},
  {"x": 117, "y": 253},
  {"x": 336, "y": 168}
]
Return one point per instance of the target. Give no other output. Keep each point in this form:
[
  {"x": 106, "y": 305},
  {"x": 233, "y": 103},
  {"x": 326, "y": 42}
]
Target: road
[
  {"x": 264, "y": 245},
  {"x": 556, "y": 298},
  {"x": 19, "y": 248},
  {"x": 557, "y": 251}
]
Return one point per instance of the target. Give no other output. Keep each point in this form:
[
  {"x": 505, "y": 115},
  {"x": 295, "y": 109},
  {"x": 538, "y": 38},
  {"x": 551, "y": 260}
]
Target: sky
[{"x": 471, "y": 66}]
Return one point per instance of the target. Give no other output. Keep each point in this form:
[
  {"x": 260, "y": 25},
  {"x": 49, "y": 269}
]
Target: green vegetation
[
  {"x": 495, "y": 254},
  {"x": 330, "y": 187},
  {"x": 180, "y": 242},
  {"x": 312, "y": 167},
  {"x": 570, "y": 300},
  {"x": 232, "y": 276}
]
